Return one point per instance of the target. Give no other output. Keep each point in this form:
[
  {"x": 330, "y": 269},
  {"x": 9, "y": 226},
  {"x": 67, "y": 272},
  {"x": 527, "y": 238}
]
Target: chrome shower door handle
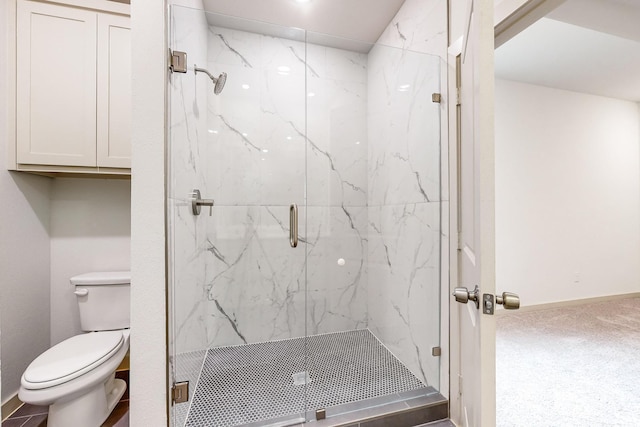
[{"x": 293, "y": 225}]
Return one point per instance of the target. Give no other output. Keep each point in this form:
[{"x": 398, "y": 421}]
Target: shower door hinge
[
  {"x": 436, "y": 97},
  {"x": 178, "y": 61},
  {"x": 321, "y": 414},
  {"x": 458, "y": 96},
  {"x": 180, "y": 392}
]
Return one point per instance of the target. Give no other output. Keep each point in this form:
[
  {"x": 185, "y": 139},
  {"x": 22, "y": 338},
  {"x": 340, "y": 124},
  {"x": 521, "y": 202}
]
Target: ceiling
[
  {"x": 589, "y": 46},
  {"x": 362, "y": 20}
]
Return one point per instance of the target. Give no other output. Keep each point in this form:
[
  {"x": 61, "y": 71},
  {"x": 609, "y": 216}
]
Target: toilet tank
[{"x": 104, "y": 300}]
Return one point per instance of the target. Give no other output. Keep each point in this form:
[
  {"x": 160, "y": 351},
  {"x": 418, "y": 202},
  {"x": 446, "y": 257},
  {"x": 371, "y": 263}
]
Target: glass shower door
[
  {"x": 373, "y": 224},
  {"x": 238, "y": 283}
]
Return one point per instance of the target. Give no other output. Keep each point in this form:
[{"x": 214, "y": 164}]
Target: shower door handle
[{"x": 293, "y": 225}]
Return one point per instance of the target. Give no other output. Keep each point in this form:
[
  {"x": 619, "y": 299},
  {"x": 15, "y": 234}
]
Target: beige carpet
[{"x": 576, "y": 366}]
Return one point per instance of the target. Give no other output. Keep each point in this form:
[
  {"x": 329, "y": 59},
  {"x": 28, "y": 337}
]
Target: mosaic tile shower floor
[{"x": 258, "y": 382}]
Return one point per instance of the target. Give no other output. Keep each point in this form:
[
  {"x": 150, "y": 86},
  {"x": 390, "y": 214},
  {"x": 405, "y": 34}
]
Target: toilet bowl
[{"x": 76, "y": 377}]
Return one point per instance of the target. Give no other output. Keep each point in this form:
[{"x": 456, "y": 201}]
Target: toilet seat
[{"x": 71, "y": 358}]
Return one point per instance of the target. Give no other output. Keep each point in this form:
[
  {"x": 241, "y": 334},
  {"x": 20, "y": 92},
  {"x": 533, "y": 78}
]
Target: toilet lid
[{"x": 71, "y": 358}]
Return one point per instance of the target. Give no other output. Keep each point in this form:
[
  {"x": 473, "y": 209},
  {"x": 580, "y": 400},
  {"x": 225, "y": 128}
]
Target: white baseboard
[{"x": 571, "y": 303}]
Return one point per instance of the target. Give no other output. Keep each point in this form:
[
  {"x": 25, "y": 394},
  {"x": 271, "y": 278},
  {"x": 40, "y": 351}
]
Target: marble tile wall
[
  {"x": 259, "y": 162},
  {"x": 188, "y": 95},
  {"x": 404, "y": 155}
]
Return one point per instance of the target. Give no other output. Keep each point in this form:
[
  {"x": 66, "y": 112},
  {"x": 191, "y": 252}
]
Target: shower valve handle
[{"x": 197, "y": 202}]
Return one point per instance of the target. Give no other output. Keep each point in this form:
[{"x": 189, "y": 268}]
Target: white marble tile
[
  {"x": 404, "y": 127},
  {"x": 187, "y": 277},
  {"x": 255, "y": 280},
  {"x": 419, "y": 25},
  {"x": 238, "y": 48},
  {"x": 337, "y": 144},
  {"x": 343, "y": 65},
  {"x": 403, "y": 285},
  {"x": 187, "y": 135},
  {"x": 336, "y": 269},
  {"x": 256, "y": 139}
]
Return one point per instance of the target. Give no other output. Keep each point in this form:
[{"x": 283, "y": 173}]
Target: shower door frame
[{"x": 443, "y": 365}]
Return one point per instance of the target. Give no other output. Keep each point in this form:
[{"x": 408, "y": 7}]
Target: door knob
[
  {"x": 509, "y": 300},
  {"x": 462, "y": 295}
]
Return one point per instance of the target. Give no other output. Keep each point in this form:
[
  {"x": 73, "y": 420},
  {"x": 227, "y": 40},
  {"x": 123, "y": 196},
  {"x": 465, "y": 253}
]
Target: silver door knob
[
  {"x": 509, "y": 300},
  {"x": 462, "y": 295}
]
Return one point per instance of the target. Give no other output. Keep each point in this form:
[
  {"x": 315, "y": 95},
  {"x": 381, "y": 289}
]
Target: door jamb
[{"x": 454, "y": 322}]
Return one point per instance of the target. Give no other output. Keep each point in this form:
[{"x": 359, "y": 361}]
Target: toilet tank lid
[{"x": 102, "y": 278}]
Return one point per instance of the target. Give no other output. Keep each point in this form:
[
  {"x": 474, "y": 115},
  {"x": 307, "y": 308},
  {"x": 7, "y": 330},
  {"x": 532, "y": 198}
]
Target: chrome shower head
[{"x": 218, "y": 82}]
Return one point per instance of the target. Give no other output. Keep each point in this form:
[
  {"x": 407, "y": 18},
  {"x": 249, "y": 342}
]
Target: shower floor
[{"x": 257, "y": 382}]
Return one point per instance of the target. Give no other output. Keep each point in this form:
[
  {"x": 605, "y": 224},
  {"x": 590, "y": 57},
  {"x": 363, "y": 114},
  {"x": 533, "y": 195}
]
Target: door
[
  {"x": 472, "y": 212},
  {"x": 237, "y": 269}
]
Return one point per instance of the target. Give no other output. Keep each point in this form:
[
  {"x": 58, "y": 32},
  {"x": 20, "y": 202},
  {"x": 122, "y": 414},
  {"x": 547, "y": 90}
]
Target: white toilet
[{"x": 76, "y": 377}]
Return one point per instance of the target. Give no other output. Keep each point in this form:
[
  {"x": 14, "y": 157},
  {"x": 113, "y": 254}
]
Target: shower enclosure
[{"x": 340, "y": 141}]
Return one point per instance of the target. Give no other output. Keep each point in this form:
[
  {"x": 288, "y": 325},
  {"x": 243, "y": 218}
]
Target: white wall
[
  {"x": 24, "y": 272},
  {"x": 567, "y": 194},
  {"x": 90, "y": 231},
  {"x": 148, "y": 393},
  {"x": 24, "y": 247}
]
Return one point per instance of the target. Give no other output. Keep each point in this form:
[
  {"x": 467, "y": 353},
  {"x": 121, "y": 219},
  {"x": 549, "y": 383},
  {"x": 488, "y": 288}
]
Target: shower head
[{"x": 218, "y": 82}]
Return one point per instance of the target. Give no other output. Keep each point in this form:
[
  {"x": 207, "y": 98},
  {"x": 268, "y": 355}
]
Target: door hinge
[
  {"x": 178, "y": 61},
  {"x": 180, "y": 392},
  {"x": 459, "y": 385},
  {"x": 321, "y": 414},
  {"x": 458, "y": 96}
]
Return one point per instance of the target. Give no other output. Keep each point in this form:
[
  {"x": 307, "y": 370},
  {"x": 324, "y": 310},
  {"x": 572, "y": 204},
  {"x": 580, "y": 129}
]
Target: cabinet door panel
[
  {"x": 114, "y": 91},
  {"x": 56, "y": 85}
]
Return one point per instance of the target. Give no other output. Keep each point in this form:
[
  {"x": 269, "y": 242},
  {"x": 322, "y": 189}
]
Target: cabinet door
[
  {"x": 56, "y": 85},
  {"x": 114, "y": 91}
]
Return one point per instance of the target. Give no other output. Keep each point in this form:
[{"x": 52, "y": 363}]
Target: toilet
[{"x": 76, "y": 378}]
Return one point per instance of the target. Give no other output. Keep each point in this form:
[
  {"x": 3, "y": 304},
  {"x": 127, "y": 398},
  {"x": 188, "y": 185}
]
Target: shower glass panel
[
  {"x": 237, "y": 283},
  {"x": 342, "y": 136},
  {"x": 373, "y": 220}
]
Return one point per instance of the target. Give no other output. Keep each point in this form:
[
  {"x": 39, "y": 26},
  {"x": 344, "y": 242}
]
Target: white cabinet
[
  {"x": 114, "y": 92},
  {"x": 73, "y": 90}
]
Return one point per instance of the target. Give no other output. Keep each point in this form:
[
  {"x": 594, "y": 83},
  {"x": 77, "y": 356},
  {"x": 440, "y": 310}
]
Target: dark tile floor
[{"x": 36, "y": 416}]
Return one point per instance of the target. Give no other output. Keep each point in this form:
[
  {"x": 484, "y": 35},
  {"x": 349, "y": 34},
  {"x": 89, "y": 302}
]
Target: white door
[{"x": 472, "y": 212}]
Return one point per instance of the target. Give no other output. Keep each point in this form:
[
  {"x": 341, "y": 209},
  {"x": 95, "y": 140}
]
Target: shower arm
[{"x": 202, "y": 70}]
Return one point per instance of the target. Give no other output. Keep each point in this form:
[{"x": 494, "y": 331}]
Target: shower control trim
[
  {"x": 178, "y": 61},
  {"x": 197, "y": 202}
]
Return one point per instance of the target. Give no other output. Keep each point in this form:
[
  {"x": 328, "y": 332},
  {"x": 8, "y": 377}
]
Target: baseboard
[
  {"x": 570, "y": 303},
  {"x": 10, "y": 406}
]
